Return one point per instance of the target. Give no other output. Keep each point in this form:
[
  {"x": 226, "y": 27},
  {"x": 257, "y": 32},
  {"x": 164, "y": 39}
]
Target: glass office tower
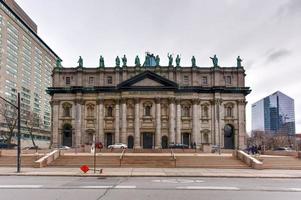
[{"x": 275, "y": 114}]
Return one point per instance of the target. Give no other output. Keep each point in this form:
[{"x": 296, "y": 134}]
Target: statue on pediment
[
  {"x": 170, "y": 59},
  {"x": 157, "y": 59},
  {"x": 193, "y": 62},
  {"x": 137, "y": 61},
  {"x": 101, "y": 61},
  {"x": 214, "y": 61},
  {"x": 80, "y": 62},
  {"x": 58, "y": 63},
  {"x": 124, "y": 61},
  {"x": 117, "y": 61},
  {"x": 178, "y": 60},
  {"x": 239, "y": 60}
]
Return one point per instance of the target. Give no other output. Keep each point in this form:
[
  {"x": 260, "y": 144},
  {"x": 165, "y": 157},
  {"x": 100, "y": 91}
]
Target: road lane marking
[
  {"x": 177, "y": 181},
  {"x": 20, "y": 186},
  {"x": 125, "y": 187},
  {"x": 108, "y": 187},
  {"x": 207, "y": 188},
  {"x": 295, "y": 189}
]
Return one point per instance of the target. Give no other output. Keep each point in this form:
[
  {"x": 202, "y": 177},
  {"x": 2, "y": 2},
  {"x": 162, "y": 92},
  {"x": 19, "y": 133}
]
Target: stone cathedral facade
[{"x": 149, "y": 106}]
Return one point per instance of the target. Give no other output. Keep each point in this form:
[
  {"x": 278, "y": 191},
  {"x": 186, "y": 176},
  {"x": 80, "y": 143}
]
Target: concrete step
[
  {"x": 26, "y": 160},
  {"x": 280, "y": 162}
]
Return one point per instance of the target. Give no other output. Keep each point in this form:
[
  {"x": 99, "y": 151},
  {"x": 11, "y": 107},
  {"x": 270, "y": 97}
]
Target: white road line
[
  {"x": 295, "y": 189},
  {"x": 125, "y": 187},
  {"x": 96, "y": 187},
  {"x": 207, "y": 188},
  {"x": 108, "y": 186},
  {"x": 20, "y": 186}
]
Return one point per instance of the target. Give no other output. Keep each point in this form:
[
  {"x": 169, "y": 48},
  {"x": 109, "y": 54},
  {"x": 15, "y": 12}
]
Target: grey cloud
[
  {"x": 277, "y": 54},
  {"x": 291, "y": 8}
]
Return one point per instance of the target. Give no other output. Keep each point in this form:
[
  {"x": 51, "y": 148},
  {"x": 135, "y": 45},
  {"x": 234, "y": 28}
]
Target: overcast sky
[{"x": 265, "y": 33}]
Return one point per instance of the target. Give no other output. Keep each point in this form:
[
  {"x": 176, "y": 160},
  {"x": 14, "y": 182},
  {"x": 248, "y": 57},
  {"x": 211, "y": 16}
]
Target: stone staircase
[
  {"x": 151, "y": 160},
  {"x": 11, "y": 160},
  {"x": 77, "y": 160},
  {"x": 280, "y": 162},
  {"x": 225, "y": 161}
]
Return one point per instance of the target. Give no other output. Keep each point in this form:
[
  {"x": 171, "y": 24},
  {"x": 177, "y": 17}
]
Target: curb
[{"x": 148, "y": 175}]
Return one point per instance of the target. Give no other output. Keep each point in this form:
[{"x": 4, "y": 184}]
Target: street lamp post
[{"x": 19, "y": 130}]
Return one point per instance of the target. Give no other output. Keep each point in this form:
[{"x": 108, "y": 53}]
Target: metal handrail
[
  {"x": 121, "y": 156},
  {"x": 173, "y": 155}
]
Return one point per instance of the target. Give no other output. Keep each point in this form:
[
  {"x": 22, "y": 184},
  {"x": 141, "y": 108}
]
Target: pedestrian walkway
[{"x": 155, "y": 172}]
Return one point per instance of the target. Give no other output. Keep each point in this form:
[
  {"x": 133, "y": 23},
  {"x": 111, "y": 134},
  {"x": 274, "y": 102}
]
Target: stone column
[
  {"x": 100, "y": 121},
  {"x": 55, "y": 123},
  {"x": 217, "y": 123},
  {"x": 158, "y": 124},
  {"x": 78, "y": 122},
  {"x": 117, "y": 121},
  {"x": 195, "y": 122},
  {"x": 172, "y": 135},
  {"x": 179, "y": 121},
  {"x": 241, "y": 131},
  {"x": 137, "y": 125},
  {"x": 123, "y": 121}
]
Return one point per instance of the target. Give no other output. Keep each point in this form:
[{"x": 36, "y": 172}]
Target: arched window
[
  {"x": 67, "y": 109},
  {"x": 205, "y": 111},
  {"x": 109, "y": 111},
  {"x": 90, "y": 110},
  {"x": 206, "y": 138},
  {"x": 228, "y": 111},
  {"x": 147, "y": 111},
  {"x": 186, "y": 111}
]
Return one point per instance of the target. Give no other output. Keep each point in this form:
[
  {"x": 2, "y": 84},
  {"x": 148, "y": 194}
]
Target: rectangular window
[
  {"x": 204, "y": 80},
  {"x": 67, "y": 80},
  {"x": 91, "y": 80},
  {"x": 109, "y": 80},
  {"x": 228, "y": 80},
  {"x": 186, "y": 79}
]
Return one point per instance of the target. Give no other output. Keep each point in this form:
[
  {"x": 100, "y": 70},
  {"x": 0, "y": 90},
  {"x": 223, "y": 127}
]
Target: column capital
[
  {"x": 241, "y": 102},
  {"x": 196, "y": 101},
  {"x": 217, "y": 101},
  {"x": 123, "y": 100},
  {"x": 171, "y": 99},
  {"x": 136, "y": 100},
  {"x": 116, "y": 101},
  {"x": 157, "y": 100},
  {"x": 79, "y": 101},
  {"x": 99, "y": 101},
  {"x": 178, "y": 100}
]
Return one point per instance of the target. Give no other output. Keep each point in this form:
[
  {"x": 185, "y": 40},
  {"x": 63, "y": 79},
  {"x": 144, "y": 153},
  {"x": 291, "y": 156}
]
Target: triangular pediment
[{"x": 148, "y": 80}]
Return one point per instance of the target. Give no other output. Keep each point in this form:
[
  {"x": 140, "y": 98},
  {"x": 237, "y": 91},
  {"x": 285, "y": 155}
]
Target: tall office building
[
  {"x": 275, "y": 114},
  {"x": 26, "y": 64}
]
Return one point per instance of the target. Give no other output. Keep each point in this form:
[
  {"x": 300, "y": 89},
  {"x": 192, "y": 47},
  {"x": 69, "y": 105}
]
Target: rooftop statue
[
  {"x": 117, "y": 61},
  {"x": 157, "y": 59},
  {"x": 124, "y": 61},
  {"x": 150, "y": 60},
  {"x": 170, "y": 59},
  {"x": 137, "y": 61},
  {"x": 239, "y": 60},
  {"x": 58, "y": 63},
  {"x": 214, "y": 61},
  {"x": 178, "y": 60},
  {"x": 101, "y": 61},
  {"x": 193, "y": 64},
  {"x": 80, "y": 62}
]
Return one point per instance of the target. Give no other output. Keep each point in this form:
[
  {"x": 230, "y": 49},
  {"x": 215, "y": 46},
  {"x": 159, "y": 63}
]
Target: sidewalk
[{"x": 154, "y": 172}]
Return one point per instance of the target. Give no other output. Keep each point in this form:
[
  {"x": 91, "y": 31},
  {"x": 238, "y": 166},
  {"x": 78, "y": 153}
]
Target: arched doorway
[
  {"x": 186, "y": 138},
  {"x": 130, "y": 142},
  {"x": 67, "y": 135},
  {"x": 164, "y": 142},
  {"x": 228, "y": 137},
  {"x": 109, "y": 139}
]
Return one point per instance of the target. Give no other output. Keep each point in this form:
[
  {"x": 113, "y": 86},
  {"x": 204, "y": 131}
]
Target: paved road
[{"x": 89, "y": 188}]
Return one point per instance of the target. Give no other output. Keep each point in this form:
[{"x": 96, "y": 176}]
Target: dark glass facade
[{"x": 275, "y": 114}]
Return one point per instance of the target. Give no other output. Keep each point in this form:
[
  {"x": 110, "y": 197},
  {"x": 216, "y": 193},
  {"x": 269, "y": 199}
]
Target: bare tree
[
  {"x": 9, "y": 116},
  {"x": 32, "y": 122}
]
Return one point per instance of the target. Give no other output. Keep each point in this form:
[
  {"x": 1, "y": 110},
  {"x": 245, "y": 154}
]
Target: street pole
[{"x": 19, "y": 136}]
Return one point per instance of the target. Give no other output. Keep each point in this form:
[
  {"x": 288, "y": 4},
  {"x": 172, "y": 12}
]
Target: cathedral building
[{"x": 149, "y": 106}]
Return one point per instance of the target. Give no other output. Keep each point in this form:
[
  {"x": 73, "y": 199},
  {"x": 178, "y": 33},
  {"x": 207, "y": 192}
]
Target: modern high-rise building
[
  {"x": 274, "y": 114},
  {"x": 26, "y": 64}
]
